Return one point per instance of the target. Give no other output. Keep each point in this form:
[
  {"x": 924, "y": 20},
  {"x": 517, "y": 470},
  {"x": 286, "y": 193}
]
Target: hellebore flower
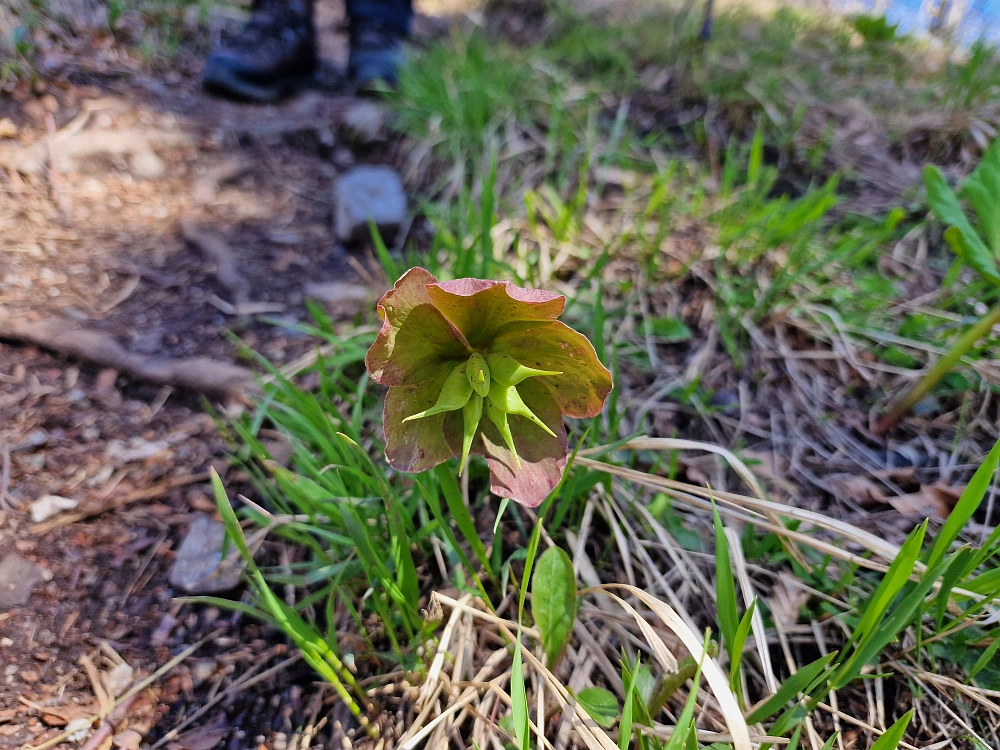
[{"x": 483, "y": 367}]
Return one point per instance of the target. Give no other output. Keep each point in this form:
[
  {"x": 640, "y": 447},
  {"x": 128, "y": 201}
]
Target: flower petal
[
  {"x": 481, "y": 309},
  {"x": 543, "y": 457},
  {"x": 415, "y": 337},
  {"x": 584, "y": 383},
  {"x": 419, "y": 444}
]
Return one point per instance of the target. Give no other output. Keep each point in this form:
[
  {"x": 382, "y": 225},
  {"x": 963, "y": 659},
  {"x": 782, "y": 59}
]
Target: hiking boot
[
  {"x": 376, "y": 56},
  {"x": 273, "y": 57}
]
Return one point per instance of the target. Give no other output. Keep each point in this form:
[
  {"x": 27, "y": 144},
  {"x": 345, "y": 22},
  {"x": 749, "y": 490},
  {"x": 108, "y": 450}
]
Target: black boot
[{"x": 273, "y": 57}]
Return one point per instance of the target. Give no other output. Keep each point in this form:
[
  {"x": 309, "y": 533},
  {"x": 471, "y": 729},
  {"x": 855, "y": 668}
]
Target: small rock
[
  {"x": 49, "y": 505},
  {"x": 146, "y": 165},
  {"x": 368, "y": 193},
  {"x": 198, "y": 567},
  {"x": 105, "y": 381},
  {"x": 6, "y": 642},
  {"x": 162, "y": 633},
  {"x": 202, "y": 670},
  {"x": 30, "y": 676},
  {"x": 7, "y": 128},
  {"x": 120, "y": 679},
  {"x": 364, "y": 120},
  {"x": 148, "y": 342},
  {"x": 127, "y": 740},
  {"x": 136, "y": 449},
  {"x": 17, "y": 578},
  {"x": 78, "y": 729}
]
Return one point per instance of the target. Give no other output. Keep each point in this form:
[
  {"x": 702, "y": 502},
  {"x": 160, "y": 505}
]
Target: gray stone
[
  {"x": 364, "y": 119},
  {"x": 17, "y": 578},
  {"x": 366, "y": 193},
  {"x": 199, "y": 567}
]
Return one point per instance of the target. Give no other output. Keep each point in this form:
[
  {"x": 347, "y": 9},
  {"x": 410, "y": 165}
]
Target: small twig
[
  {"x": 6, "y": 500},
  {"x": 132, "y": 497},
  {"x": 53, "y": 172},
  {"x": 216, "y": 251}
]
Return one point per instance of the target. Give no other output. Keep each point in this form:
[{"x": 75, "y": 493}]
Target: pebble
[
  {"x": 197, "y": 569},
  {"x": 49, "y": 505},
  {"x": 17, "y": 578},
  {"x": 368, "y": 192},
  {"x": 364, "y": 119}
]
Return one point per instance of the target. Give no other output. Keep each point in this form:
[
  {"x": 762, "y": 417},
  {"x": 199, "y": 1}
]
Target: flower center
[{"x": 486, "y": 383}]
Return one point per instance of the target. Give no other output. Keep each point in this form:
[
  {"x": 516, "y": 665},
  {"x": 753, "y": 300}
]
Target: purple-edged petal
[
  {"x": 420, "y": 444},
  {"x": 584, "y": 383},
  {"x": 415, "y": 338},
  {"x": 481, "y": 309}
]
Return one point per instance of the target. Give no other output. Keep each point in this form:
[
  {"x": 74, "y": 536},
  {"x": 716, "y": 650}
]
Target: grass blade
[
  {"x": 685, "y": 722},
  {"x": 518, "y": 697},
  {"x": 725, "y": 587},
  {"x": 800, "y": 682},
  {"x": 965, "y": 507},
  {"x": 894, "y": 734},
  {"x": 739, "y": 640},
  {"x": 453, "y": 497},
  {"x": 892, "y": 583}
]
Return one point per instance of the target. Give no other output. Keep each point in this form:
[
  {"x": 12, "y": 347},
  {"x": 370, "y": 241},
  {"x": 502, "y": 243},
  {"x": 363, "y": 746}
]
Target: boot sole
[{"x": 229, "y": 83}]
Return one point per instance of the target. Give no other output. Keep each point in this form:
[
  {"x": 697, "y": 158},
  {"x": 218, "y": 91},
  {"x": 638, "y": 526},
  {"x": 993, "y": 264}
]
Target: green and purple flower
[{"x": 483, "y": 367}]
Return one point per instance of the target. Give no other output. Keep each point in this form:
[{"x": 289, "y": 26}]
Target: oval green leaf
[
  {"x": 553, "y": 601},
  {"x": 600, "y": 704}
]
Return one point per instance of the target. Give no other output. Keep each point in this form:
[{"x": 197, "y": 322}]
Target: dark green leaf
[
  {"x": 600, "y": 704},
  {"x": 553, "y": 601},
  {"x": 964, "y": 240}
]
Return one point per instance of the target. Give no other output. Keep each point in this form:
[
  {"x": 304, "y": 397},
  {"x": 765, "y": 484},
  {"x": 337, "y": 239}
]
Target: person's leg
[
  {"x": 377, "y": 29},
  {"x": 272, "y": 57}
]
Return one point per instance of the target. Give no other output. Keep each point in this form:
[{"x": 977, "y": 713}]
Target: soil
[{"x": 100, "y": 245}]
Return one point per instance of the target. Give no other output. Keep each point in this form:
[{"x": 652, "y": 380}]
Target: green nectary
[{"x": 486, "y": 383}]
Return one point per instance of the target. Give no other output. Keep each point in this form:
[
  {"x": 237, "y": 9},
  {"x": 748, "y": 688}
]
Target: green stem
[
  {"x": 942, "y": 367},
  {"x": 686, "y": 669}
]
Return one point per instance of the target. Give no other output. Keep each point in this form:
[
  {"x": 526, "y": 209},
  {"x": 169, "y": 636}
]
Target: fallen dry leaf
[
  {"x": 786, "y": 601},
  {"x": 859, "y": 489},
  {"x": 931, "y": 501}
]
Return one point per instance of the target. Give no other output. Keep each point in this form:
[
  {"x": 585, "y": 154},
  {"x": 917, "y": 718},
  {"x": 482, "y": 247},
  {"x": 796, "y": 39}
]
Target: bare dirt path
[{"x": 143, "y": 223}]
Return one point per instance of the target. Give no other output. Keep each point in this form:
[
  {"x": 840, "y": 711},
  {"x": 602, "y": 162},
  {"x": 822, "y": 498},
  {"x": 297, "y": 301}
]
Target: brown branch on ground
[
  {"x": 147, "y": 493},
  {"x": 215, "y": 250},
  {"x": 202, "y": 374}
]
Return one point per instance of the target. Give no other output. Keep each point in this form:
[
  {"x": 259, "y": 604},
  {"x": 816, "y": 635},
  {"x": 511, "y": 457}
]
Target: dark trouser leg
[
  {"x": 377, "y": 30},
  {"x": 391, "y": 15}
]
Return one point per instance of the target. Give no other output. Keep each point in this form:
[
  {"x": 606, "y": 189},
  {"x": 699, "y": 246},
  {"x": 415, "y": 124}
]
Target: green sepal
[
  {"x": 508, "y": 400},
  {"x": 479, "y": 374},
  {"x": 499, "y": 418},
  {"x": 472, "y": 412},
  {"x": 506, "y": 370},
  {"x": 455, "y": 394}
]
